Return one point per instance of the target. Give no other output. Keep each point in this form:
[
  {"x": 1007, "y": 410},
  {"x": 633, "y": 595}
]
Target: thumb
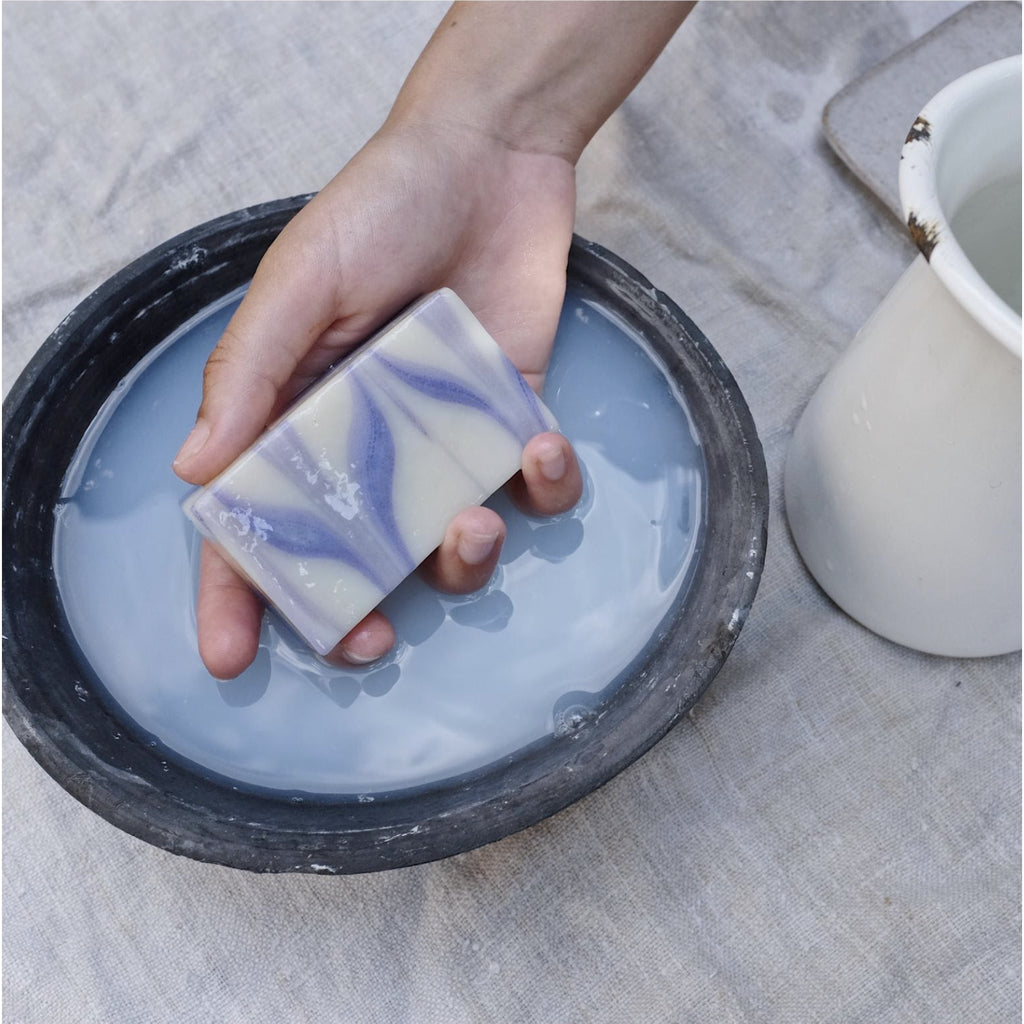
[{"x": 290, "y": 304}]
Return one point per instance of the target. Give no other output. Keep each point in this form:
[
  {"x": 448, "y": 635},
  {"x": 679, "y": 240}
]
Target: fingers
[
  {"x": 366, "y": 642},
  {"x": 468, "y": 554},
  {"x": 228, "y": 615},
  {"x": 550, "y": 482},
  {"x": 290, "y": 304}
]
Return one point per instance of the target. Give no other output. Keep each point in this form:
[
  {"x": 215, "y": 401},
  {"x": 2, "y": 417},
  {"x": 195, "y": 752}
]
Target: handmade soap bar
[{"x": 355, "y": 485}]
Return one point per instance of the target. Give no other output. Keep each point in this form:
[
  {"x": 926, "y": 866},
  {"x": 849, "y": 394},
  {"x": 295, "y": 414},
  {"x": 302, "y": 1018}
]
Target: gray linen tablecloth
[{"x": 831, "y": 835}]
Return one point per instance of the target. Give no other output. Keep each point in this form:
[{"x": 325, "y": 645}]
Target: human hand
[
  {"x": 421, "y": 206},
  {"x": 470, "y": 184}
]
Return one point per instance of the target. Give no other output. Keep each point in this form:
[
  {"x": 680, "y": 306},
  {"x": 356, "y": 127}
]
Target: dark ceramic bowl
[{"x": 96, "y": 756}]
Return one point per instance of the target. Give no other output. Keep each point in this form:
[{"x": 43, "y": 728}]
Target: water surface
[{"x": 574, "y": 600}]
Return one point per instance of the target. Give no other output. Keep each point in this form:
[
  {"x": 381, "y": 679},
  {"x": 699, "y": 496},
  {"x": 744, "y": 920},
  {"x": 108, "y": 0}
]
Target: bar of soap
[{"x": 356, "y": 484}]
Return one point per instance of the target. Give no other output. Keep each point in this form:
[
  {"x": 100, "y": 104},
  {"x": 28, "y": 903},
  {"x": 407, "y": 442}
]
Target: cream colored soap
[{"x": 348, "y": 492}]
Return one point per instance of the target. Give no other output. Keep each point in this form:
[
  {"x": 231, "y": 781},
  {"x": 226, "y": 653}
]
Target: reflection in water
[
  {"x": 379, "y": 682},
  {"x": 490, "y": 612},
  {"x": 343, "y": 690},
  {"x": 250, "y": 687},
  {"x": 471, "y": 680},
  {"x": 553, "y": 540}
]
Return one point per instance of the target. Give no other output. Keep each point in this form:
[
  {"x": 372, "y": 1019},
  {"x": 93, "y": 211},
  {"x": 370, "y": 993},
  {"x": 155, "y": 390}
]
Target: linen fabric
[{"x": 832, "y": 834}]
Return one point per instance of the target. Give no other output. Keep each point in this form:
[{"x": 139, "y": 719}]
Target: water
[
  {"x": 575, "y": 599},
  {"x": 988, "y": 228}
]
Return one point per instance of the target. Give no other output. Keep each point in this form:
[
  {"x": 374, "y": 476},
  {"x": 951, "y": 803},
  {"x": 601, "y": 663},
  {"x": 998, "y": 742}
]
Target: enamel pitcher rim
[{"x": 928, "y": 221}]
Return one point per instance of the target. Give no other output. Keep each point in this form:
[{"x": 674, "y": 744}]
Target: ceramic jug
[{"x": 903, "y": 477}]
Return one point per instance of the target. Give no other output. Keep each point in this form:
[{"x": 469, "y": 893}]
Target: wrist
[
  {"x": 460, "y": 97},
  {"x": 534, "y": 77}
]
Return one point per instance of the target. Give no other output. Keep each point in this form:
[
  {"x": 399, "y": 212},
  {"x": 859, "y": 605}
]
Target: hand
[
  {"x": 470, "y": 184},
  {"x": 419, "y": 207}
]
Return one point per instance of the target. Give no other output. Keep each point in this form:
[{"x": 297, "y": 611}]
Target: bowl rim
[{"x": 47, "y": 693}]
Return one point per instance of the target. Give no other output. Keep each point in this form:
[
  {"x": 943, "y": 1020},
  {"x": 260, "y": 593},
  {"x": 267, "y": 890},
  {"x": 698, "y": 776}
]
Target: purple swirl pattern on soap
[
  {"x": 373, "y": 371},
  {"x": 345, "y": 489},
  {"x": 445, "y": 387},
  {"x": 526, "y": 393},
  {"x": 293, "y": 531},
  {"x": 246, "y": 522},
  {"x": 371, "y": 454},
  {"x": 377, "y": 377},
  {"x": 451, "y": 331},
  {"x": 285, "y": 450}
]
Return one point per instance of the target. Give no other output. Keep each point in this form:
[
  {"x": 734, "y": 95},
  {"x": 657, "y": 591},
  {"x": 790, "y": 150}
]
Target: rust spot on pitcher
[
  {"x": 920, "y": 131},
  {"x": 924, "y": 234}
]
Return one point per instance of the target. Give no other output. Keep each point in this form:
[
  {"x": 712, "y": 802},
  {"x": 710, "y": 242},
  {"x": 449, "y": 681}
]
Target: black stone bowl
[{"x": 97, "y": 758}]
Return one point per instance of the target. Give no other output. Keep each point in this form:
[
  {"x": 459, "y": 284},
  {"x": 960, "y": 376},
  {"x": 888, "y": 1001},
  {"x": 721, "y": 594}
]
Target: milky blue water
[{"x": 574, "y": 600}]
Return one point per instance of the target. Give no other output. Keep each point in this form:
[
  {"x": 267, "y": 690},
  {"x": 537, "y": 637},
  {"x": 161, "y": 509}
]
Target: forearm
[{"x": 540, "y": 76}]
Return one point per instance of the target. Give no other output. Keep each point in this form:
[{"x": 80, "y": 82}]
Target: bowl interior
[{"x": 59, "y": 706}]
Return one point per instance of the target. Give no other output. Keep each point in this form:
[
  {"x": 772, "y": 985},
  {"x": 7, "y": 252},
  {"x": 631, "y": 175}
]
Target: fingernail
[
  {"x": 552, "y": 463},
  {"x": 475, "y": 548},
  {"x": 194, "y": 442},
  {"x": 359, "y": 659}
]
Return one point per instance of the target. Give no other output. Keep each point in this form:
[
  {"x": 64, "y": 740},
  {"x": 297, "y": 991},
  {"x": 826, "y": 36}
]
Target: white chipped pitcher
[{"x": 903, "y": 478}]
